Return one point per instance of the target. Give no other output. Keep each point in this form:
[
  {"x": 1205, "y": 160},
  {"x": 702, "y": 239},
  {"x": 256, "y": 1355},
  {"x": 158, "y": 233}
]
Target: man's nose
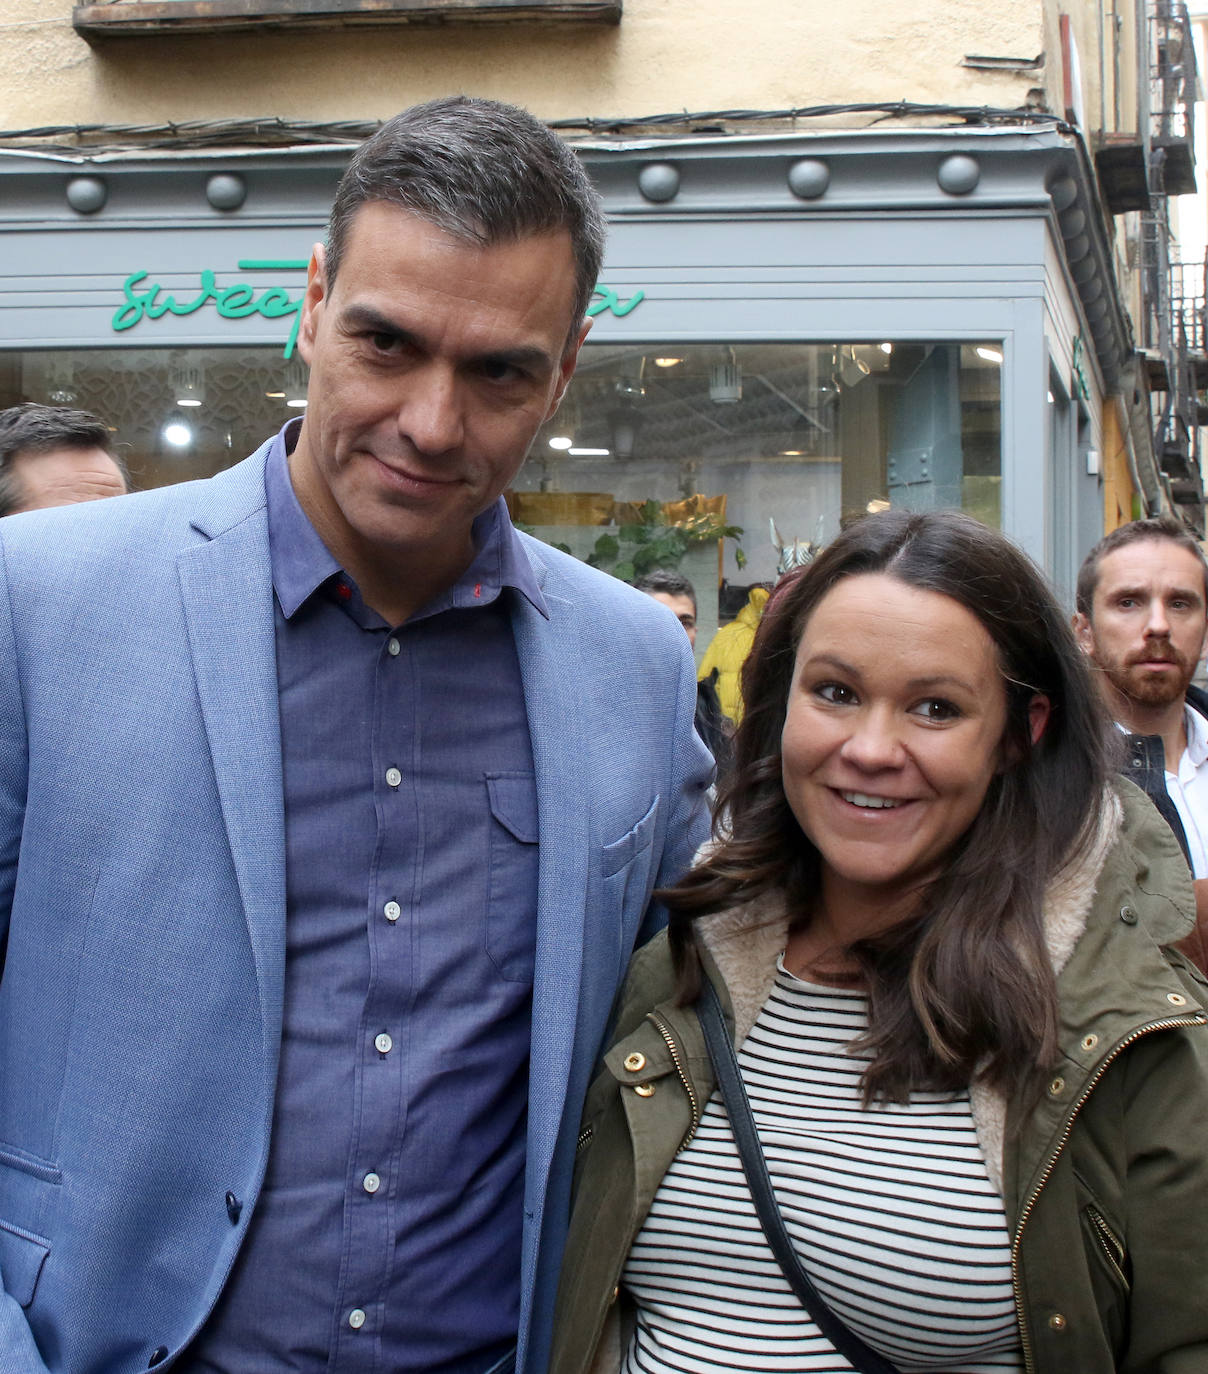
[
  {"x": 430, "y": 414},
  {"x": 1157, "y": 622}
]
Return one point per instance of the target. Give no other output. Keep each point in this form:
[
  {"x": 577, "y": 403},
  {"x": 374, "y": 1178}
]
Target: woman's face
[{"x": 894, "y": 730}]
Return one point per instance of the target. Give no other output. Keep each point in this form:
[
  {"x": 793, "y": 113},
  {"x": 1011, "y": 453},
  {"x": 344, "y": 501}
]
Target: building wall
[{"x": 662, "y": 56}]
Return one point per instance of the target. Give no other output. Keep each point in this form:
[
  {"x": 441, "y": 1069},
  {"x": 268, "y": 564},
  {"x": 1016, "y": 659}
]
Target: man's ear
[
  {"x": 566, "y": 367},
  {"x": 1083, "y": 633},
  {"x": 313, "y": 301}
]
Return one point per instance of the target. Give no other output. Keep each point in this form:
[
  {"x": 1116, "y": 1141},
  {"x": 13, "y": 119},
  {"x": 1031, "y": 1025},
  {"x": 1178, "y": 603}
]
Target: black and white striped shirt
[{"x": 890, "y": 1208}]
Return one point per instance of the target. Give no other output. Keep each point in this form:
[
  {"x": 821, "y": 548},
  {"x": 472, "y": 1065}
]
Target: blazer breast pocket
[
  {"x": 625, "y": 863},
  {"x": 511, "y": 919},
  {"x": 22, "y": 1255}
]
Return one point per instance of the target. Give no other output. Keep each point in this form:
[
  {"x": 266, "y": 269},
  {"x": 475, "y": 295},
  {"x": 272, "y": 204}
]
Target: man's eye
[
  {"x": 497, "y": 370},
  {"x": 385, "y": 343}
]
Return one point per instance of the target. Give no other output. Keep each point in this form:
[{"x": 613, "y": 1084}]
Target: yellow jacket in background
[{"x": 728, "y": 651}]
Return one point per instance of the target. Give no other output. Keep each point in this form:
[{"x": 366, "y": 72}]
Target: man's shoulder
[
  {"x": 1197, "y": 699},
  {"x": 162, "y": 518},
  {"x": 561, "y": 575}
]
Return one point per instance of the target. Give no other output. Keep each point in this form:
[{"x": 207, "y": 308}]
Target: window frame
[{"x": 143, "y": 18}]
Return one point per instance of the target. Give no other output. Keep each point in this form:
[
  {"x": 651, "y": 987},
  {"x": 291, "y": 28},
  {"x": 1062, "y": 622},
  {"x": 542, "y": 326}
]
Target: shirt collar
[
  {"x": 301, "y": 563},
  {"x": 1197, "y": 735}
]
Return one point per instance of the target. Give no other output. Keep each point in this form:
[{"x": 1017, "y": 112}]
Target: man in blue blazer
[{"x": 331, "y": 808}]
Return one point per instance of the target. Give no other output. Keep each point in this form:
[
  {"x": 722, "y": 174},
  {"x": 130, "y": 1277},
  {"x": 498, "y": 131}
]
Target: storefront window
[
  {"x": 779, "y": 441},
  {"x": 656, "y": 451}
]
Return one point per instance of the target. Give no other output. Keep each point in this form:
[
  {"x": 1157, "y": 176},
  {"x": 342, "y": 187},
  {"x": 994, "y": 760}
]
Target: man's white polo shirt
[{"x": 1188, "y": 789}]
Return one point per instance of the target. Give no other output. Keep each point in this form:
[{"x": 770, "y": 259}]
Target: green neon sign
[{"x": 238, "y": 301}]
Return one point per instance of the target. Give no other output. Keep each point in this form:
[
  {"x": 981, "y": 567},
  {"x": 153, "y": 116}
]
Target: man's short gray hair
[{"x": 481, "y": 171}]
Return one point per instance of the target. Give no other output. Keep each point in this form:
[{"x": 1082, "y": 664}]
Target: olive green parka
[{"x": 1104, "y": 1178}]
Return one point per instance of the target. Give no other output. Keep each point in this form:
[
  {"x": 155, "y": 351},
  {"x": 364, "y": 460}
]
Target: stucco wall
[{"x": 665, "y": 55}]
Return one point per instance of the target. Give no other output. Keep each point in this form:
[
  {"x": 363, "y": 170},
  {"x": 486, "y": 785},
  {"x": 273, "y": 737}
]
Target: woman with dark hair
[{"x": 962, "y": 1122}]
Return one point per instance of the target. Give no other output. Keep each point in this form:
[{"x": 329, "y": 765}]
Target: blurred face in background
[
  {"x": 64, "y": 476},
  {"x": 1148, "y": 622},
  {"x": 685, "y": 611}
]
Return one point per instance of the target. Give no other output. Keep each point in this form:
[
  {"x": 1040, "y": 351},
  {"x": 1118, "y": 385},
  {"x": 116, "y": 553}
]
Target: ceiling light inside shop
[
  {"x": 590, "y": 452},
  {"x": 560, "y": 441},
  {"x": 886, "y": 347},
  {"x": 177, "y": 434},
  {"x": 295, "y": 383},
  {"x": 275, "y": 395},
  {"x": 187, "y": 381},
  {"x": 989, "y": 355},
  {"x": 667, "y": 362}
]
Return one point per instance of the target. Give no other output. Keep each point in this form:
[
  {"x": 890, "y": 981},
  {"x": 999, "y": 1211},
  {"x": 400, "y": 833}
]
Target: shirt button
[
  {"x": 392, "y": 911},
  {"x": 356, "y": 1319},
  {"x": 371, "y": 1184},
  {"x": 384, "y": 1043},
  {"x": 393, "y": 777},
  {"x": 393, "y": 648}
]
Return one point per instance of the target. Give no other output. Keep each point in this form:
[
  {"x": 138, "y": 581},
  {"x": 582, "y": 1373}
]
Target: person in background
[
  {"x": 679, "y": 595},
  {"x": 1142, "y": 621},
  {"x": 331, "y": 809},
  {"x": 728, "y": 650},
  {"x": 930, "y": 955},
  {"x": 52, "y": 456}
]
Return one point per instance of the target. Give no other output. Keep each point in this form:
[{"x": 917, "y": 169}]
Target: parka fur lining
[{"x": 746, "y": 941}]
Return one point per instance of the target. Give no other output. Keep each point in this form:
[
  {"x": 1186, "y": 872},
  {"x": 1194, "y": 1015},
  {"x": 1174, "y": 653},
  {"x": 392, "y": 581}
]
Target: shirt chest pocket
[{"x": 511, "y": 914}]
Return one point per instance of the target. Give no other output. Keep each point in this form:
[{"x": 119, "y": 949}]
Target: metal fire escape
[
  {"x": 1140, "y": 172},
  {"x": 1172, "y": 332}
]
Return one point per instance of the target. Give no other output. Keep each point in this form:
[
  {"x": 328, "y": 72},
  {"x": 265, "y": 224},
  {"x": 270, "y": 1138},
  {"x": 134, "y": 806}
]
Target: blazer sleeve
[
  {"x": 18, "y": 1352},
  {"x": 13, "y": 751}
]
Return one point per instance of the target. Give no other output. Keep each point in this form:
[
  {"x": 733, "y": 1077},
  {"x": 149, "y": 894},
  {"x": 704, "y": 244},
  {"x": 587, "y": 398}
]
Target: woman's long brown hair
[{"x": 964, "y": 989}]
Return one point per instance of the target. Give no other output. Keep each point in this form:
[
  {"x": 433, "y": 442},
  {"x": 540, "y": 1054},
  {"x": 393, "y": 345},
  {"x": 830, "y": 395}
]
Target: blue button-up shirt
[{"x": 387, "y": 1233}]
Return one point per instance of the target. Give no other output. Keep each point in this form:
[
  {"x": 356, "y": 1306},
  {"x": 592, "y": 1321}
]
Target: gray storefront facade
[{"x": 789, "y": 328}]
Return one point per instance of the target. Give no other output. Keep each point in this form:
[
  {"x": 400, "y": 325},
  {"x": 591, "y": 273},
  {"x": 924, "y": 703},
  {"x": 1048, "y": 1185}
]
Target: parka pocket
[{"x": 1107, "y": 1244}]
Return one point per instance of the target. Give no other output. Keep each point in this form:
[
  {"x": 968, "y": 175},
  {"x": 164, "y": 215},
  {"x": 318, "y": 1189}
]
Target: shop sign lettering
[
  {"x": 234, "y": 302},
  {"x": 239, "y": 300}
]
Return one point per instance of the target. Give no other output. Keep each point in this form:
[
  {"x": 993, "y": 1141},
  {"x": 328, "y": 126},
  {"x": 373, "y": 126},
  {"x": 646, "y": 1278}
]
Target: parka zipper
[
  {"x": 1169, "y": 1024},
  {"x": 1111, "y": 1244},
  {"x": 665, "y": 1031}
]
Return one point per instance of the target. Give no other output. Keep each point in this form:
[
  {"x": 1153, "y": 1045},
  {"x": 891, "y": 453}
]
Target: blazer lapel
[{"x": 227, "y": 590}]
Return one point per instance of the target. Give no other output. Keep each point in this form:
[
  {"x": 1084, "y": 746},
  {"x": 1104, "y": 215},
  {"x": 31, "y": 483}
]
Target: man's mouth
[{"x": 870, "y": 803}]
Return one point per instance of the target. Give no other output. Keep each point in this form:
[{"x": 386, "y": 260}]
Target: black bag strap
[{"x": 855, "y": 1351}]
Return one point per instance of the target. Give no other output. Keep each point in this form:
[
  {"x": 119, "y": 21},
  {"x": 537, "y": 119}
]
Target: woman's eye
[
  {"x": 835, "y": 692},
  {"x": 936, "y": 708}
]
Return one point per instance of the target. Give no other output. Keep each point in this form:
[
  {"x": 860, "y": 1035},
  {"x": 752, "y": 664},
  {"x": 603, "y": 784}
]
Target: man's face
[
  {"x": 1148, "y": 621},
  {"x": 433, "y": 362},
  {"x": 685, "y": 611},
  {"x": 63, "y": 476}
]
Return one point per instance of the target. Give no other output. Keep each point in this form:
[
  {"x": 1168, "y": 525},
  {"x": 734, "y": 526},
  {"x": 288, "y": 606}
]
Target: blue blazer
[{"x": 142, "y": 894}]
